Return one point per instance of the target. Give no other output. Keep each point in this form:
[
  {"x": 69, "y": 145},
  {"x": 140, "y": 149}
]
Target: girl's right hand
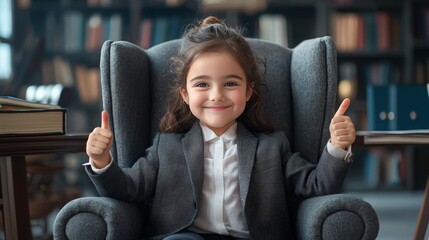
[{"x": 99, "y": 143}]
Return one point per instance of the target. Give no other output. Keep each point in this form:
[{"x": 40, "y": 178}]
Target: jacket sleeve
[
  {"x": 129, "y": 184},
  {"x": 308, "y": 180}
]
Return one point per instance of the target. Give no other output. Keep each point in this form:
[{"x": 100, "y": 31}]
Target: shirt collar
[{"x": 229, "y": 134}]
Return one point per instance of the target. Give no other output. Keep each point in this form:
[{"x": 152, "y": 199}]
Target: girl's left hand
[{"x": 342, "y": 129}]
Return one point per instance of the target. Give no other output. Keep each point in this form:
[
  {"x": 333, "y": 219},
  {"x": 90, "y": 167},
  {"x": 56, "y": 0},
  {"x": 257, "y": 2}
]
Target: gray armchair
[{"x": 302, "y": 85}]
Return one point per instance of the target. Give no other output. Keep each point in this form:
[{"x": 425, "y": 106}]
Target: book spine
[
  {"x": 393, "y": 108},
  {"x": 411, "y": 107},
  {"x": 378, "y": 107}
]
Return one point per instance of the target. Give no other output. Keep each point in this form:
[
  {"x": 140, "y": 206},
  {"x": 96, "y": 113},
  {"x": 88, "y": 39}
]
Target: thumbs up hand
[
  {"x": 99, "y": 143},
  {"x": 342, "y": 129}
]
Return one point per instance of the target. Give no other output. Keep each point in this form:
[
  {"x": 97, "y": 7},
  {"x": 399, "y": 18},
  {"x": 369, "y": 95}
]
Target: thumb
[
  {"x": 104, "y": 120},
  {"x": 343, "y": 107}
]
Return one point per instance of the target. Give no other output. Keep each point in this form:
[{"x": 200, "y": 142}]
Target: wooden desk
[
  {"x": 14, "y": 196},
  {"x": 396, "y": 140}
]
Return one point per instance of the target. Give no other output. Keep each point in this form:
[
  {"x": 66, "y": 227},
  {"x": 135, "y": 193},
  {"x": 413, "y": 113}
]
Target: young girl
[{"x": 218, "y": 170}]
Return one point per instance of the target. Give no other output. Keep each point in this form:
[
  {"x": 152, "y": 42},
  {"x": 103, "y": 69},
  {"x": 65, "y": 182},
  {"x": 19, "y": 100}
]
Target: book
[
  {"x": 378, "y": 107},
  {"x": 20, "y": 117},
  {"x": 416, "y": 136},
  {"x": 88, "y": 84},
  {"x": 10, "y": 103},
  {"x": 248, "y": 6},
  {"x": 146, "y": 33},
  {"x": 410, "y": 104},
  {"x": 273, "y": 27}
]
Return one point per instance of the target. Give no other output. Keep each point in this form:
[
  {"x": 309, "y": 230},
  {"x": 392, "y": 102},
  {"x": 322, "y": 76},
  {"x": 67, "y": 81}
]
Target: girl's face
[{"x": 216, "y": 90}]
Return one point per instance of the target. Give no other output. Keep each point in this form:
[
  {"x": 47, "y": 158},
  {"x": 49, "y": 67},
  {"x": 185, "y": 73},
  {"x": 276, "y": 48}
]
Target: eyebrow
[{"x": 207, "y": 77}]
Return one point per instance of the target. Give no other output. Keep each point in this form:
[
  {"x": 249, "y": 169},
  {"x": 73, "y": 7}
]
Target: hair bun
[{"x": 210, "y": 20}]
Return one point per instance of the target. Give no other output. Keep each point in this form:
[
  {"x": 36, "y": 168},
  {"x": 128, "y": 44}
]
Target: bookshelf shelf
[
  {"x": 76, "y": 55},
  {"x": 91, "y": 59},
  {"x": 371, "y": 55},
  {"x": 291, "y": 6},
  {"x": 368, "y": 6},
  {"x": 162, "y": 8},
  {"x": 113, "y": 8}
]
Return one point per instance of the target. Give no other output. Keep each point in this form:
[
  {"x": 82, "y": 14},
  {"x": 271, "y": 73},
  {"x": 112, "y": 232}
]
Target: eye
[
  {"x": 201, "y": 85},
  {"x": 231, "y": 84}
]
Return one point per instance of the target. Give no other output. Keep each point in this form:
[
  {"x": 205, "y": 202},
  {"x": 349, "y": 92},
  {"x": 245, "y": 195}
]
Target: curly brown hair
[{"x": 213, "y": 35}]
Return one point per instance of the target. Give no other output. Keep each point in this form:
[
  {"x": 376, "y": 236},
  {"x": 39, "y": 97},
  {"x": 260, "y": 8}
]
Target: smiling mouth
[{"x": 217, "y": 108}]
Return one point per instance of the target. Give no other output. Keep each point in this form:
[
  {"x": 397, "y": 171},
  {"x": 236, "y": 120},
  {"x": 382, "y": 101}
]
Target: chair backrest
[{"x": 301, "y": 83}]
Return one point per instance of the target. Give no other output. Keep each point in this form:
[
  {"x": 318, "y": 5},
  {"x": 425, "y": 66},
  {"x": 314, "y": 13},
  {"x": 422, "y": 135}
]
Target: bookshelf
[
  {"x": 420, "y": 44},
  {"x": 381, "y": 42}
]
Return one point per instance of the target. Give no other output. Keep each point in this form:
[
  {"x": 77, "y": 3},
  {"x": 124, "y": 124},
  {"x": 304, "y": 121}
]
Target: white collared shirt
[{"x": 221, "y": 210}]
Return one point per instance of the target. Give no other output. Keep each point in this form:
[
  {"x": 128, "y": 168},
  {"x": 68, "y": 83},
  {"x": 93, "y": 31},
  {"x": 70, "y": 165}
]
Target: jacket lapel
[
  {"x": 193, "y": 148},
  {"x": 246, "y": 149}
]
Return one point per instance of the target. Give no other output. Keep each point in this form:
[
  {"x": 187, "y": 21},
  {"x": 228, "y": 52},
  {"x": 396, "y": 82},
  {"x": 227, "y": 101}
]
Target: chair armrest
[
  {"x": 98, "y": 218},
  {"x": 338, "y": 216}
]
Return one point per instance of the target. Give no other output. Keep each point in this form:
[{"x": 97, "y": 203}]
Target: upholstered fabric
[
  {"x": 98, "y": 218},
  {"x": 301, "y": 100},
  {"x": 337, "y": 216}
]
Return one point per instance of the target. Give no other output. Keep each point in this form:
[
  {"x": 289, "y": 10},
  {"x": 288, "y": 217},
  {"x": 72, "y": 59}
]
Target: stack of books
[{"x": 20, "y": 117}]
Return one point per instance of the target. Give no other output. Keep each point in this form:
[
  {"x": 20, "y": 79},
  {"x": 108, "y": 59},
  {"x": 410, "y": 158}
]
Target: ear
[
  {"x": 249, "y": 91},
  {"x": 184, "y": 95}
]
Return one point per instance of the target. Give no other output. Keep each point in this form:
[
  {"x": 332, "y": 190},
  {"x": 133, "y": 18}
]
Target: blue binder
[
  {"x": 377, "y": 107},
  {"x": 410, "y": 104},
  {"x": 398, "y": 107}
]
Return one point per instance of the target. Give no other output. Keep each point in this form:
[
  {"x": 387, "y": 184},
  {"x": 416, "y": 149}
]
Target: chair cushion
[{"x": 90, "y": 227}]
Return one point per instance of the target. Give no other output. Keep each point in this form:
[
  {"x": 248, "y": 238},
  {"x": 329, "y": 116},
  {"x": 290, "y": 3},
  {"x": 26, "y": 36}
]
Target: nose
[{"x": 216, "y": 94}]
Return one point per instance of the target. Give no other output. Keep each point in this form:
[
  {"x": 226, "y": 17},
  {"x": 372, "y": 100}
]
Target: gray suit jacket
[{"x": 169, "y": 178}]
